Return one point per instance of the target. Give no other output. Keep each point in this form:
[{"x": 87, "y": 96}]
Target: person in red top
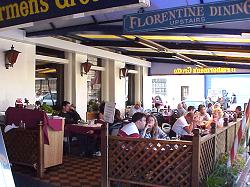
[{"x": 132, "y": 129}]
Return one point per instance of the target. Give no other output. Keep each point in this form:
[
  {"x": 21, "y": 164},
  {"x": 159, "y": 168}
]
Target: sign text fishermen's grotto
[
  {"x": 15, "y": 12},
  {"x": 196, "y": 70},
  {"x": 188, "y": 16}
]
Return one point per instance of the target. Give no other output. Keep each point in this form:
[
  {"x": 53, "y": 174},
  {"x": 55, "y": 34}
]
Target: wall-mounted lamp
[
  {"x": 123, "y": 72},
  {"x": 11, "y": 57},
  {"x": 85, "y": 67}
]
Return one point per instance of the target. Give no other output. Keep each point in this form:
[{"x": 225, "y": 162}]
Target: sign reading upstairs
[
  {"x": 188, "y": 16},
  {"x": 15, "y": 12}
]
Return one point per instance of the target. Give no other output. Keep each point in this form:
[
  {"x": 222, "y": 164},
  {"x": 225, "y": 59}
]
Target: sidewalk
[{"x": 244, "y": 180}]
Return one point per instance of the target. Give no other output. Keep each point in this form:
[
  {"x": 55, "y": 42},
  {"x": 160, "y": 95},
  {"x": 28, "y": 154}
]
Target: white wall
[
  {"x": 174, "y": 83},
  {"x": 19, "y": 81},
  {"x": 116, "y": 88},
  {"x": 79, "y": 85},
  {"x": 195, "y": 83}
]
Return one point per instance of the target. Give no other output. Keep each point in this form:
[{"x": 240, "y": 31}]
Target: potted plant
[{"x": 92, "y": 109}]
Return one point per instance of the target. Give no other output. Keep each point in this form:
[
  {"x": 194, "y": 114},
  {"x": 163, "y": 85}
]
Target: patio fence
[{"x": 159, "y": 163}]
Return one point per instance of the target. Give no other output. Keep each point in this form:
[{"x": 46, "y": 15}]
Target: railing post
[
  {"x": 196, "y": 158},
  {"x": 40, "y": 164},
  {"x": 226, "y": 139},
  {"x": 214, "y": 131},
  {"x": 104, "y": 156}
]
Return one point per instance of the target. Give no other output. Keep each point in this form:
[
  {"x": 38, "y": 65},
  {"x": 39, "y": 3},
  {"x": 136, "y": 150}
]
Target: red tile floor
[{"x": 74, "y": 172}]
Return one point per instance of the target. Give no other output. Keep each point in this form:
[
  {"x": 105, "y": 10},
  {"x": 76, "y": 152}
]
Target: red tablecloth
[
  {"x": 82, "y": 129},
  {"x": 32, "y": 118}
]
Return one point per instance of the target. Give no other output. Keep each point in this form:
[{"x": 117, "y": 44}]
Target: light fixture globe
[{"x": 11, "y": 57}]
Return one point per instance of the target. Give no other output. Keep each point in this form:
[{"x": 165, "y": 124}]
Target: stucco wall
[{"x": 19, "y": 81}]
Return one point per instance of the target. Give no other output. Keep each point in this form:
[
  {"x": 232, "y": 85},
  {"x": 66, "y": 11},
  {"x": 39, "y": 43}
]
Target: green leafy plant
[
  {"x": 48, "y": 109},
  {"x": 93, "y": 105},
  {"x": 222, "y": 175}
]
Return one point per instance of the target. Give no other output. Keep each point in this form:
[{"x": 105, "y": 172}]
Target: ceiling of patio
[{"x": 226, "y": 44}]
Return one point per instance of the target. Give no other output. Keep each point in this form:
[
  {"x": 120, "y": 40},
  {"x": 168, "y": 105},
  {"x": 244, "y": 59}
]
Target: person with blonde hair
[{"x": 217, "y": 118}]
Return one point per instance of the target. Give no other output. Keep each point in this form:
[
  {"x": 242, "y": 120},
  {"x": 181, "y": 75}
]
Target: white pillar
[
  {"x": 116, "y": 85},
  {"x": 79, "y": 85},
  {"x": 138, "y": 84},
  {"x": 105, "y": 80},
  {"x": 68, "y": 78}
]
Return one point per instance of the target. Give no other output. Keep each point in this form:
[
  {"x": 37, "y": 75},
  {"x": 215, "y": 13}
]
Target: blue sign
[
  {"x": 6, "y": 178},
  {"x": 15, "y": 12},
  {"x": 188, "y": 16}
]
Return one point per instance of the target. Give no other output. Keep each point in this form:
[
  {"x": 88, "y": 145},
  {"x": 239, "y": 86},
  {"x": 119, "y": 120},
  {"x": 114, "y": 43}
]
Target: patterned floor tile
[{"x": 74, "y": 172}]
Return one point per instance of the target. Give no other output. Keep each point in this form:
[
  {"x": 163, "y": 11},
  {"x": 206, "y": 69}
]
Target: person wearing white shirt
[
  {"x": 184, "y": 124},
  {"x": 204, "y": 116},
  {"x": 136, "y": 108}
]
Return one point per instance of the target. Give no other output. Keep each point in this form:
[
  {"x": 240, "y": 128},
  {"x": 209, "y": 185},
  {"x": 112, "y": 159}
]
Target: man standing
[{"x": 132, "y": 129}]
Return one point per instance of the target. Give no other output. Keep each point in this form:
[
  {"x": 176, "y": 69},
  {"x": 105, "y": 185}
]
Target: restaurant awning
[{"x": 224, "y": 44}]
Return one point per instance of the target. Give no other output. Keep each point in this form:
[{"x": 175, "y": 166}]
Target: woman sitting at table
[
  {"x": 152, "y": 130},
  {"x": 217, "y": 118}
]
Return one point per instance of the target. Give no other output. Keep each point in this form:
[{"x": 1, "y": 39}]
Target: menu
[
  {"x": 6, "y": 177},
  {"x": 109, "y": 112}
]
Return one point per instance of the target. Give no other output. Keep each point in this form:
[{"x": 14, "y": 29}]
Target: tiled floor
[{"x": 74, "y": 172}]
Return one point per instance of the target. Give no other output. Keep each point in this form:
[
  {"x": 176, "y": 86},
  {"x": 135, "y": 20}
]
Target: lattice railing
[
  {"x": 157, "y": 163},
  {"x": 220, "y": 144},
  {"x": 150, "y": 162},
  {"x": 206, "y": 158},
  {"x": 25, "y": 147}
]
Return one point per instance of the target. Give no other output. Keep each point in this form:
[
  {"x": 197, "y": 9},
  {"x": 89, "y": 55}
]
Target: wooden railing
[
  {"x": 159, "y": 163},
  {"x": 213, "y": 145}
]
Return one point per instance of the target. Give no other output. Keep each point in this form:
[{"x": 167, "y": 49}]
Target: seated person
[
  {"x": 191, "y": 109},
  {"x": 69, "y": 113},
  {"x": 210, "y": 109},
  {"x": 132, "y": 129},
  {"x": 38, "y": 105},
  {"x": 118, "y": 123},
  {"x": 168, "y": 111},
  {"x": 217, "y": 118},
  {"x": 181, "y": 110},
  {"x": 238, "y": 112},
  {"x": 136, "y": 108},
  {"x": 152, "y": 130},
  {"x": 184, "y": 124},
  {"x": 204, "y": 116},
  {"x": 90, "y": 145},
  {"x": 100, "y": 118}
]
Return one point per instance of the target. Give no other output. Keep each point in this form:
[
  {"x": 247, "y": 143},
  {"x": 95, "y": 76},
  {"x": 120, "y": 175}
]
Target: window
[
  {"x": 159, "y": 87},
  {"x": 94, "y": 80},
  {"x": 184, "y": 92}
]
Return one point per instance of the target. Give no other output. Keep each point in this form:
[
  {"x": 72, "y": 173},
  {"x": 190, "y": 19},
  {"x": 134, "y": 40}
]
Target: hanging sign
[
  {"x": 15, "y": 12},
  {"x": 188, "y": 16},
  {"x": 178, "y": 69}
]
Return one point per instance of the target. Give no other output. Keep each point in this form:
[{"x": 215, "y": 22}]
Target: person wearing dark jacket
[{"x": 69, "y": 113}]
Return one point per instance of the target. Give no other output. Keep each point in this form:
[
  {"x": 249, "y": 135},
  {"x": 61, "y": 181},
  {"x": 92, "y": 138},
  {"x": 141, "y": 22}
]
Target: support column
[
  {"x": 68, "y": 87},
  {"x": 142, "y": 72},
  {"x": 81, "y": 88},
  {"x": 105, "y": 80},
  {"x": 116, "y": 85}
]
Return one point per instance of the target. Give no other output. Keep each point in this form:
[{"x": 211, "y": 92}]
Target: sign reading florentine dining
[
  {"x": 15, "y": 12},
  {"x": 188, "y": 16}
]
